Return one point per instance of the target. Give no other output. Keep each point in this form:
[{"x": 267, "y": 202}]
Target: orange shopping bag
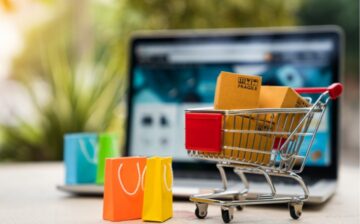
[{"x": 123, "y": 188}]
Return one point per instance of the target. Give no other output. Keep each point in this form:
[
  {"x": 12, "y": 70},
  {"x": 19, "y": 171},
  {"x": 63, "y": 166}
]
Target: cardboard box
[
  {"x": 248, "y": 141},
  {"x": 261, "y": 142},
  {"x": 282, "y": 97},
  {"x": 236, "y": 91}
]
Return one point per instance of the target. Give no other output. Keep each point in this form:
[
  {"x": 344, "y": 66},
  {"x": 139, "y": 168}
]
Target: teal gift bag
[{"x": 80, "y": 158}]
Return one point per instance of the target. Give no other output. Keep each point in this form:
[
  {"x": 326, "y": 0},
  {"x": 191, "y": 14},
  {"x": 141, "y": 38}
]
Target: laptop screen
[{"x": 169, "y": 75}]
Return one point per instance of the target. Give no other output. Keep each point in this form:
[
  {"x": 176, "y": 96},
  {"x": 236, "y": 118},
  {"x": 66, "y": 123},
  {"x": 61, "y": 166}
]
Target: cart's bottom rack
[{"x": 230, "y": 200}]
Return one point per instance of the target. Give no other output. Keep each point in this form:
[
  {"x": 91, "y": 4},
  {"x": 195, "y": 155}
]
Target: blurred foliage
[
  {"x": 80, "y": 53},
  {"x": 118, "y": 19},
  {"x": 83, "y": 93},
  {"x": 81, "y": 98},
  {"x": 88, "y": 40},
  {"x": 338, "y": 12},
  {"x": 7, "y": 5}
]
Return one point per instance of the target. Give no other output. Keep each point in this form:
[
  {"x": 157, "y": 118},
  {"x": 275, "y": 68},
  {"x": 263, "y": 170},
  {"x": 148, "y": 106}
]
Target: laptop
[{"x": 176, "y": 70}]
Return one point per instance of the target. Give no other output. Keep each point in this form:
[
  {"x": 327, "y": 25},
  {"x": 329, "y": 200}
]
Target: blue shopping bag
[{"x": 80, "y": 158}]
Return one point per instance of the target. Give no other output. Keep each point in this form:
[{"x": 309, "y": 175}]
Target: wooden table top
[{"x": 28, "y": 195}]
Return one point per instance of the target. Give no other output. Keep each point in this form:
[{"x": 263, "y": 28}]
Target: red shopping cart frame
[{"x": 203, "y": 132}]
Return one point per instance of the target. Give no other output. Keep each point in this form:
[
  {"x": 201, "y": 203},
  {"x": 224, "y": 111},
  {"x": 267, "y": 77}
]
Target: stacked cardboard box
[
  {"x": 237, "y": 91},
  {"x": 282, "y": 97}
]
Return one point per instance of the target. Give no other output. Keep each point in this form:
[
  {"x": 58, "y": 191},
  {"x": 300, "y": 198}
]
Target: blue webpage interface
[{"x": 169, "y": 78}]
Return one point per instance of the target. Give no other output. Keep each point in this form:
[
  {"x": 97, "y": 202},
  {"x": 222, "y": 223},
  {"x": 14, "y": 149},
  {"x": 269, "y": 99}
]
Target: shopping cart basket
[{"x": 256, "y": 141}]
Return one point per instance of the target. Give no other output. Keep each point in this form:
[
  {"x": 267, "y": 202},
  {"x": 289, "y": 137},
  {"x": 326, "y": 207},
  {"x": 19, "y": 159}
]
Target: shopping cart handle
[{"x": 334, "y": 90}]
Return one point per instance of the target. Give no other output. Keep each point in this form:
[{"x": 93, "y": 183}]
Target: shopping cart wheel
[
  {"x": 227, "y": 214},
  {"x": 239, "y": 198},
  {"x": 201, "y": 210},
  {"x": 295, "y": 210}
]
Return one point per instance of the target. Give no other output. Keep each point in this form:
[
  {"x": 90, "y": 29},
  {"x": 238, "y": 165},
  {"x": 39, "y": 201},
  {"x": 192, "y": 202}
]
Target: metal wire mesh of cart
[
  {"x": 267, "y": 142},
  {"x": 271, "y": 138}
]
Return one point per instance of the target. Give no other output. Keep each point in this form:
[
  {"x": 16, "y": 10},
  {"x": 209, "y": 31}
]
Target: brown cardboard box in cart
[
  {"x": 236, "y": 91},
  {"x": 282, "y": 97},
  {"x": 252, "y": 147},
  {"x": 245, "y": 143}
]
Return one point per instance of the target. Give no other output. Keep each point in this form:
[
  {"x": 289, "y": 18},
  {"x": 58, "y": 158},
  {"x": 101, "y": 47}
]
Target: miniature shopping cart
[{"x": 257, "y": 141}]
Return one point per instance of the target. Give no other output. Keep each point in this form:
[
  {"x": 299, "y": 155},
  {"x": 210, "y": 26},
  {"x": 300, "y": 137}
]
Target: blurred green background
[{"x": 63, "y": 63}]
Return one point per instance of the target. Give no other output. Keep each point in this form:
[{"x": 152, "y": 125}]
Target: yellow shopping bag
[{"x": 158, "y": 198}]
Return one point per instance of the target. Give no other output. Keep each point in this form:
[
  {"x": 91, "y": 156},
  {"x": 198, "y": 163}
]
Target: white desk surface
[{"x": 28, "y": 195}]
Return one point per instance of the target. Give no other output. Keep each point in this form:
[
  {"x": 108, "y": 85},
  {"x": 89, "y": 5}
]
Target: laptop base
[{"x": 320, "y": 191}]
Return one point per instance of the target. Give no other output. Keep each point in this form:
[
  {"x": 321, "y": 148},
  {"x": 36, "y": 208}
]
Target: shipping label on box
[{"x": 237, "y": 91}]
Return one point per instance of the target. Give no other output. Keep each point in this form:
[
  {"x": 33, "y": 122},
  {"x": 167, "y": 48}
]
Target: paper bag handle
[
  {"x": 138, "y": 183},
  {"x": 85, "y": 152},
  {"x": 172, "y": 178}
]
